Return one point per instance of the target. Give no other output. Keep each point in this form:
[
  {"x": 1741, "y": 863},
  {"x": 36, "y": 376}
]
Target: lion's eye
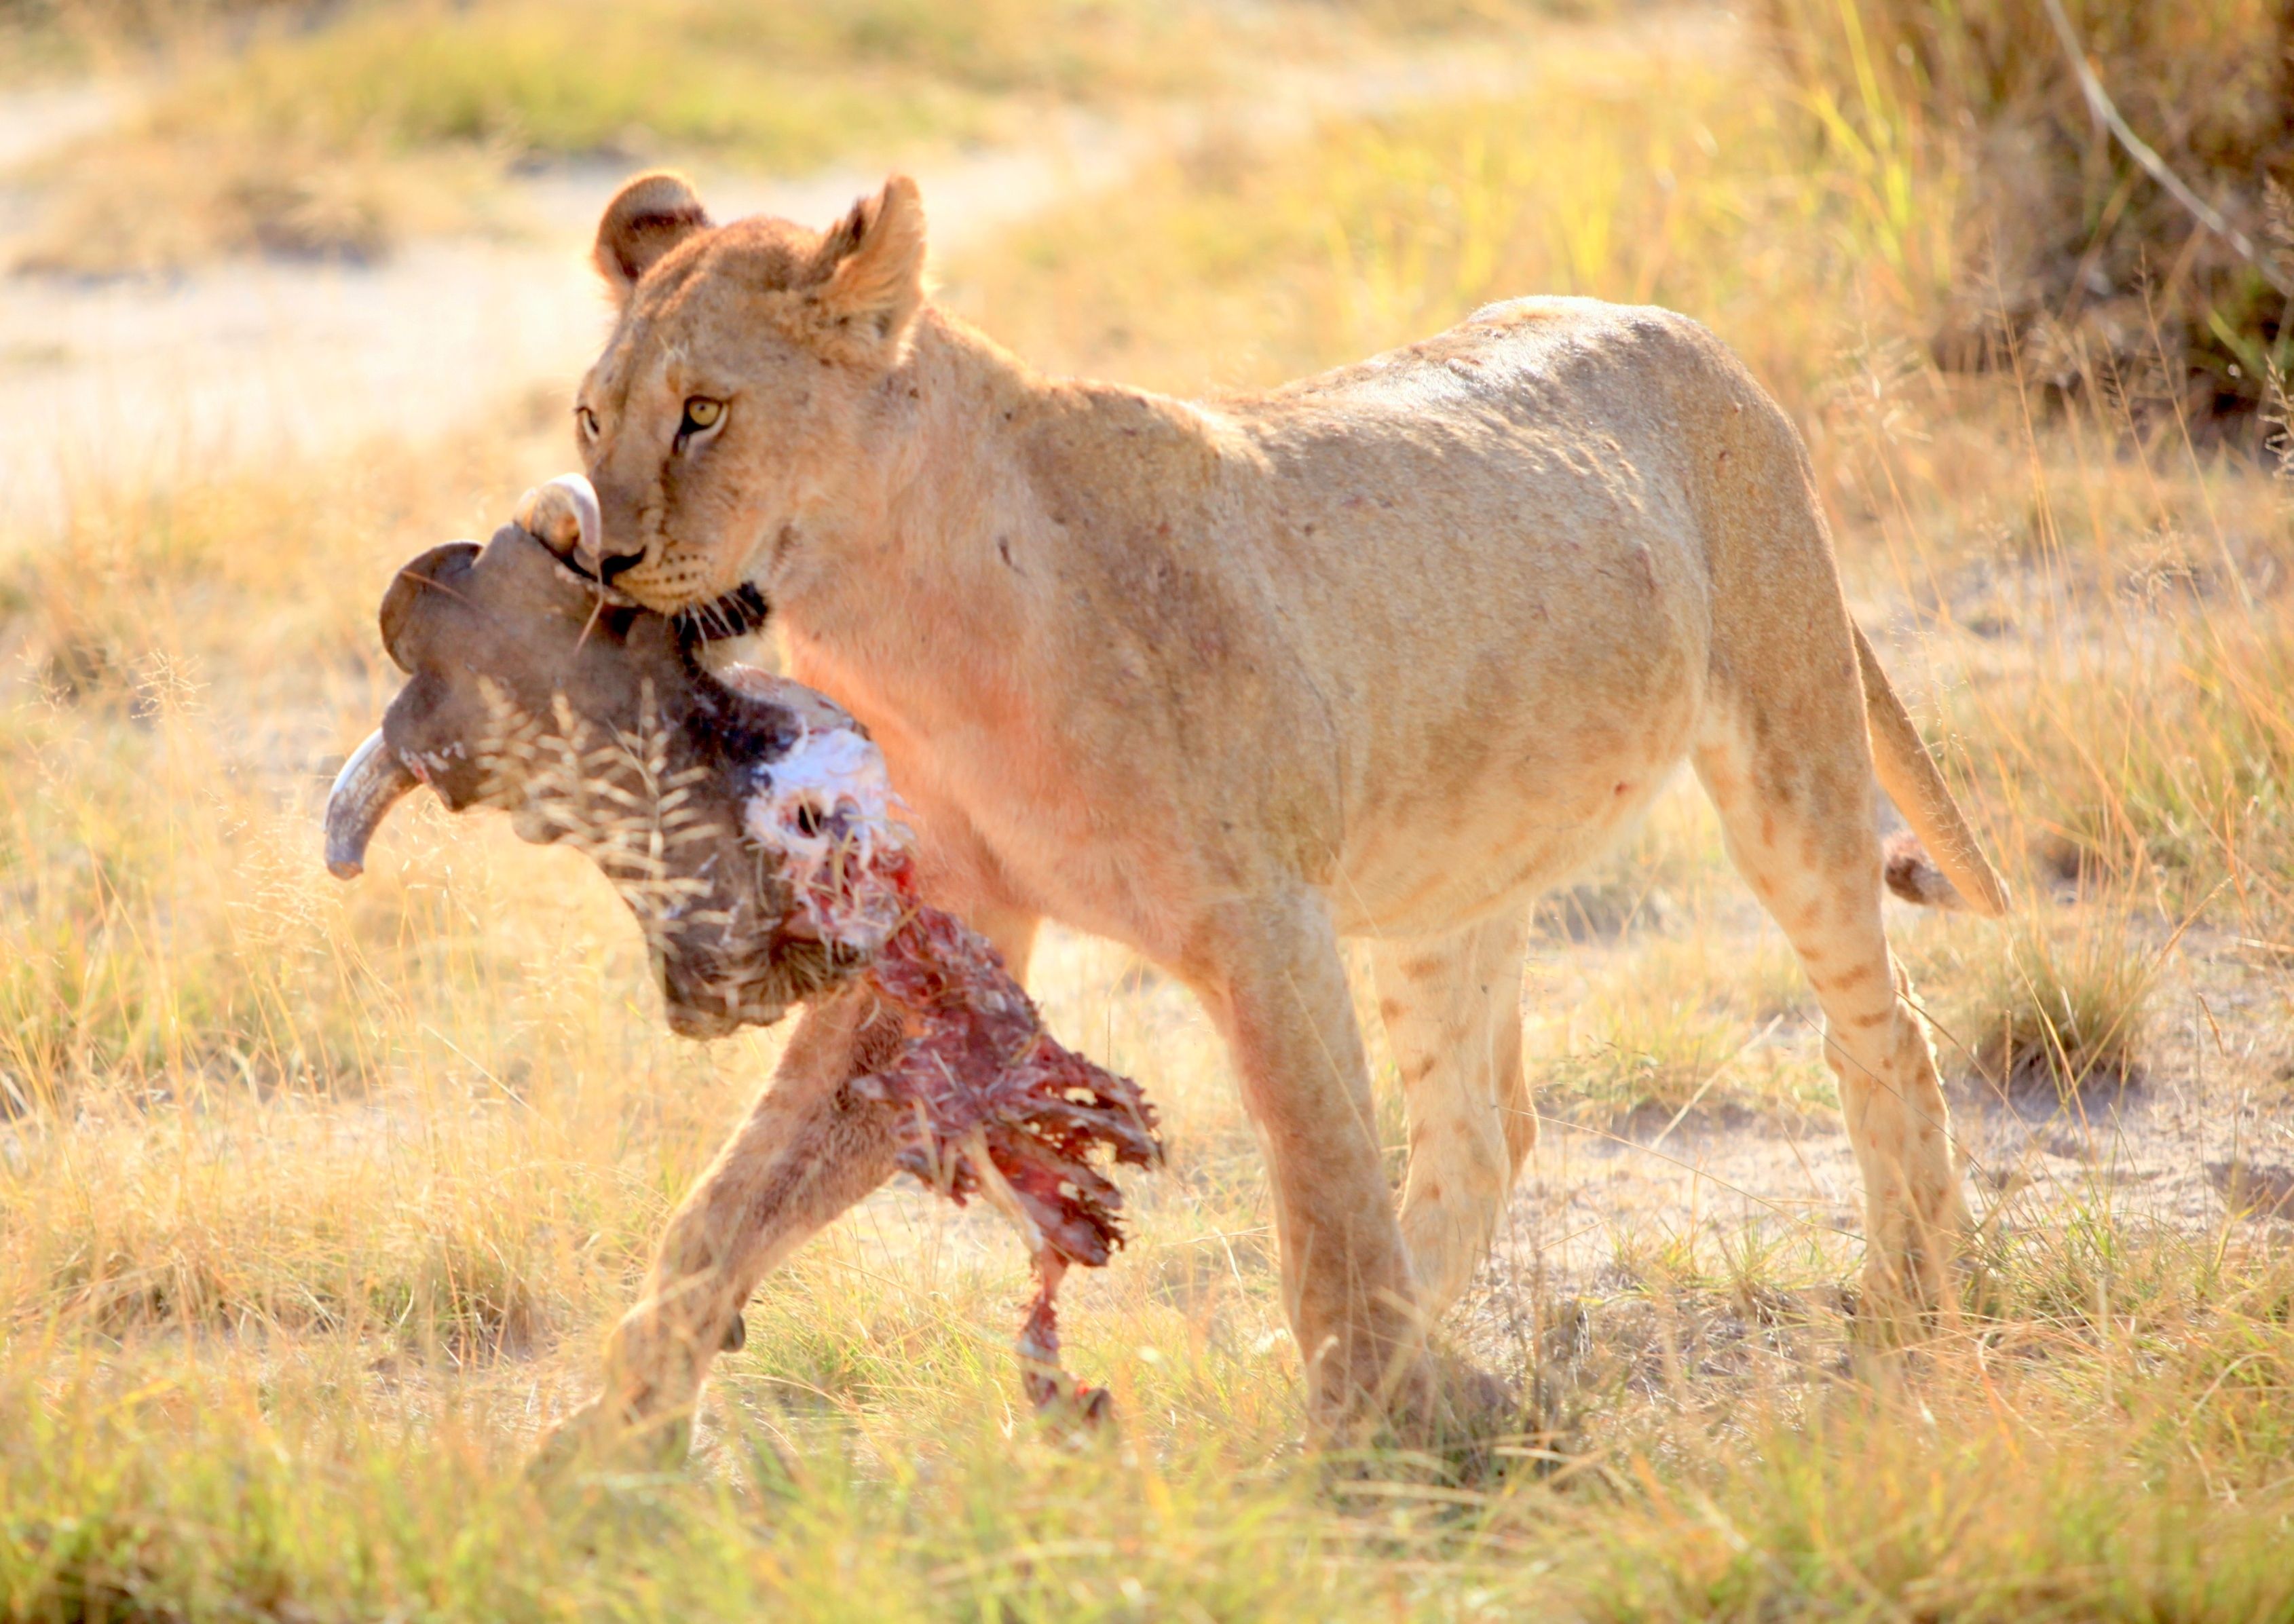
[
  {"x": 701, "y": 413},
  {"x": 588, "y": 419}
]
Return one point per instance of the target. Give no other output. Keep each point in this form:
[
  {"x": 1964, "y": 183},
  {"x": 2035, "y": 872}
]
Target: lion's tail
[{"x": 1960, "y": 874}]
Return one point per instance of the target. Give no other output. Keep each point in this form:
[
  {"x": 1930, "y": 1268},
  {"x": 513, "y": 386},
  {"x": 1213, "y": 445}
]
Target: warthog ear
[
  {"x": 876, "y": 281},
  {"x": 402, "y": 605},
  {"x": 647, "y": 217}
]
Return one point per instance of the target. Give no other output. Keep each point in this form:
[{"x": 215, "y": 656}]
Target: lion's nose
[{"x": 616, "y": 564}]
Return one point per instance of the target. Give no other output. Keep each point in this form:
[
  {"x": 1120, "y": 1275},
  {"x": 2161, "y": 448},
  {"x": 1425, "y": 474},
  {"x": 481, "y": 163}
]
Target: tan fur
[{"x": 1379, "y": 653}]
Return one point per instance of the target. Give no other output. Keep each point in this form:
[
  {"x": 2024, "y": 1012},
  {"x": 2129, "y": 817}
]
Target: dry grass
[
  {"x": 2060, "y": 1010},
  {"x": 313, "y": 1199},
  {"x": 338, "y": 131},
  {"x": 1675, "y": 1026},
  {"x": 1234, "y": 265}
]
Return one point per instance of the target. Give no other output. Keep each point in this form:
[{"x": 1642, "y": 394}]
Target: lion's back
[{"x": 1560, "y": 370}]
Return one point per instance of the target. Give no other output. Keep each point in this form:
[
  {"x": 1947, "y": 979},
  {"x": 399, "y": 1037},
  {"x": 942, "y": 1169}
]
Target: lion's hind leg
[
  {"x": 1796, "y": 809},
  {"x": 1452, "y": 1008}
]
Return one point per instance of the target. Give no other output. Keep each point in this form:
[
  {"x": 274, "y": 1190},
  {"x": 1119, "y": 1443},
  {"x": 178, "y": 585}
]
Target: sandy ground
[{"x": 2202, "y": 1140}]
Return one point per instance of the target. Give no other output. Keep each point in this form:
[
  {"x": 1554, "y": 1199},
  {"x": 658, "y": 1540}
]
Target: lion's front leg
[
  {"x": 808, "y": 1151},
  {"x": 1279, "y": 990}
]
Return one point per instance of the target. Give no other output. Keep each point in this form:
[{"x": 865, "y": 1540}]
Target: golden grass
[
  {"x": 338, "y": 131},
  {"x": 2062, "y": 1010},
  {"x": 315, "y": 1200},
  {"x": 1638, "y": 167},
  {"x": 1679, "y": 1026}
]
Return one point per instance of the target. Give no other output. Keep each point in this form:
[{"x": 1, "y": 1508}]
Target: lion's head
[{"x": 729, "y": 419}]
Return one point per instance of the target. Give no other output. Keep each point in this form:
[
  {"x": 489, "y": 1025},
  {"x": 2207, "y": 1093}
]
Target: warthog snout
[{"x": 592, "y": 722}]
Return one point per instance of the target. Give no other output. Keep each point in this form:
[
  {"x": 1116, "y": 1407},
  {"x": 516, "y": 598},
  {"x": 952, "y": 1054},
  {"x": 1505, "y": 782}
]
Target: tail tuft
[
  {"x": 1912, "y": 874},
  {"x": 1908, "y": 774}
]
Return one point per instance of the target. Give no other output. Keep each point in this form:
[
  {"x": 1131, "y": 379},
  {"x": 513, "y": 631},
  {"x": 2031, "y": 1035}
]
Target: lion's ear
[
  {"x": 876, "y": 281},
  {"x": 647, "y": 217}
]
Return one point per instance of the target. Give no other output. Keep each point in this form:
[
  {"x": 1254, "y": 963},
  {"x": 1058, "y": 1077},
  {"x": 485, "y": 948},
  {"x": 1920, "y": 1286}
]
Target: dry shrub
[{"x": 2068, "y": 249}]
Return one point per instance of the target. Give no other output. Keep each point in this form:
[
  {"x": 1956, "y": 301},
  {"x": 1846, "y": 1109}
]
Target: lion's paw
[{"x": 599, "y": 1437}]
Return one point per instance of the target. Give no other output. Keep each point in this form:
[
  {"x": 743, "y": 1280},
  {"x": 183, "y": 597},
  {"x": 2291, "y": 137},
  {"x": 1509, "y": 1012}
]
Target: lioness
[{"x": 1381, "y": 653}]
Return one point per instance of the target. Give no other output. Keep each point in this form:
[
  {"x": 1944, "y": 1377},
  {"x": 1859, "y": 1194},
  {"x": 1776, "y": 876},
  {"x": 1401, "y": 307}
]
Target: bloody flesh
[
  {"x": 999, "y": 1108},
  {"x": 994, "y": 1106}
]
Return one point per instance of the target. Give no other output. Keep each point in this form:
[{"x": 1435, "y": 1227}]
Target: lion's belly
[{"x": 1455, "y": 836}]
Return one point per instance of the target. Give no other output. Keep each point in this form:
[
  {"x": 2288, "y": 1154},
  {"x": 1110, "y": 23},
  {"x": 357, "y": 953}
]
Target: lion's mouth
[{"x": 737, "y": 613}]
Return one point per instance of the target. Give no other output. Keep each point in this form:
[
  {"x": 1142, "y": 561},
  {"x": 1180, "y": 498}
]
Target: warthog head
[{"x": 591, "y": 722}]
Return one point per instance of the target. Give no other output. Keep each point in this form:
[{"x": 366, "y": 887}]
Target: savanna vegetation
[
  {"x": 337, "y": 131},
  {"x": 315, "y": 1200}
]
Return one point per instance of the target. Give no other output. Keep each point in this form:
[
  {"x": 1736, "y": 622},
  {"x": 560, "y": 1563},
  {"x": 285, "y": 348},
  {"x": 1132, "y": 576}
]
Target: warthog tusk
[
  {"x": 542, "y": 512},
  {"x": 371, "y": 782}
]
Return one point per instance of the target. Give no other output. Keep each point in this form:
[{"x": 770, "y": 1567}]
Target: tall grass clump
[{"x": 2053, "y": 1008}]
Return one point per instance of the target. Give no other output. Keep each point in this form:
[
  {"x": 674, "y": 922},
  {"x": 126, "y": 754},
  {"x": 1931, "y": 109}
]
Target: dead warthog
[
  {"x": 593, "y": 723},
  {"x": 749, "y": 824}
]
